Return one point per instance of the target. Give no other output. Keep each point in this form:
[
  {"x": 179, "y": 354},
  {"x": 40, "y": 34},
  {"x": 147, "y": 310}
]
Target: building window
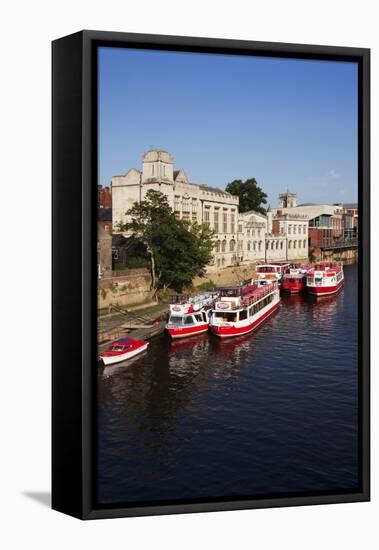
[
  {"x": 218, "y": 246},
  {"x": 194, "y": 205},
  {"x": 289, "y": 244},
  {"x": 225, "y": 222},
  {"x": 186, "y": 205},
  {"x": 299, "y": 244},
  {"x": 216, "y": 221},
  {"x": 248, "y": 245},
  {"x": 177, "y": 203},
  {"x": 259, "y": 232},
  {"x": 232, "y": 245},
  {"x": 232, "y": 223},
  {"x": 281, "y": 245},
  {"x": 206, "y": 218},
  {"x": 272, "y": 245},
  {"x": 304, "y": 229},
  {"x": 254, "y": 246},
  {"x": 294, "y": 229},
  {"x": 267, "y": 243},
  {"x": 260, "y": 246},
  {"x": 240, "y": 228},
  {"x": 277, "y": 245},
  {"x": 194, "y": 217},
  {"x": 223, "y": 246},
  {"x": 294, "y": 244},
  {"x": 305, "y": 243},
  {"x": 289, "y": 229}
]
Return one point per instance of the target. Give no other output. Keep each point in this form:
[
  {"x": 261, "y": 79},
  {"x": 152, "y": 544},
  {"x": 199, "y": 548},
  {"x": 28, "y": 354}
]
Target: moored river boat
[
  {"x": 240, "y": 310},
  {"x": 190, "y": 315},
  {"x": 122, "y": 349},
  {"x": 295, "y": 279},
  {"x": 274, "y": 269},
  {"x": 325, "y": 278}
]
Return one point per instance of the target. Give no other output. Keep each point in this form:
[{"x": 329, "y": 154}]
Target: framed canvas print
[{"x": 210, "y": 274}]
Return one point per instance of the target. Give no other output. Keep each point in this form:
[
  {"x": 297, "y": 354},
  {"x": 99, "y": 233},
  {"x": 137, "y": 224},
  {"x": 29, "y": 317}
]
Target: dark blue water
[{"x": 271, "y": 412}]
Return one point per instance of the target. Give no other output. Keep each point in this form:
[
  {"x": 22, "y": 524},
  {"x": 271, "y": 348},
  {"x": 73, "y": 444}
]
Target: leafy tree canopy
[
  {"x": 251, "y": 196},
  {"x": 178, "y": 250}
]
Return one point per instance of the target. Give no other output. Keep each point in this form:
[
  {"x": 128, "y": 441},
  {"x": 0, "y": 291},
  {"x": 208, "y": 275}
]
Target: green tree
[
  {"x": 177, "y": 250},
  {"x": 251, "y": 196}
]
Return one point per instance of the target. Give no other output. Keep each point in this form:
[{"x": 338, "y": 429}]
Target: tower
[
  {"x": 157, "y": 167},
  {"x": 287, "y": 200}
]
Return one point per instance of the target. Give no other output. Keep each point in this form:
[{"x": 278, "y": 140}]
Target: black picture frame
[{"x": 74, "y": 206}]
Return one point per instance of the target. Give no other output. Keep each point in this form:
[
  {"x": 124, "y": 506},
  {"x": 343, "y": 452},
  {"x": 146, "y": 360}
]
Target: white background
[{"x": 27, "y": 29}]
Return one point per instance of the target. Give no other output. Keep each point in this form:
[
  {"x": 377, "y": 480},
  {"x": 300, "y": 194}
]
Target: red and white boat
[
  {"x": 325, "y": 278},
  {"x": 122, "y": 349},
  {"x": 242, "y": 309},
  {"x": 275, "y": 269},
  {"x": 295, "y": 280},
  {"x": 190, "y": 315}
]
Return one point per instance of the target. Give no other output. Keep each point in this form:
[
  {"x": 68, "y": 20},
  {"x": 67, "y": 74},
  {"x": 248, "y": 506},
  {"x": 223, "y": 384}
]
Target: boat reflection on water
[
  {"x": 188, "y": 354},
  {"x": 125, "y": 367}
]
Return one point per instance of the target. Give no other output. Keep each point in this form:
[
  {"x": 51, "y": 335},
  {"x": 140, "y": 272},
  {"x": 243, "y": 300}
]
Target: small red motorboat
[{"x": 122, "y": 349}]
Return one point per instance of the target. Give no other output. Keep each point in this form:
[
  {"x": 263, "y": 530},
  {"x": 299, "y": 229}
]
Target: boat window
[
  {"x": 198, "y": 318},
  {"x": 176, "y": 320},
  {"x": 243, "y": 314},
  {"x": 118, "y": 348},
  {"x": 188, "y": 320}
]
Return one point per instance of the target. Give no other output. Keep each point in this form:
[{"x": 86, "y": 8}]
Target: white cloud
[{"x": 334, "y": 174}]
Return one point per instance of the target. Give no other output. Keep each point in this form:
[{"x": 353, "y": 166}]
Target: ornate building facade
[
  {"x": 199, "y": 203},
  {"x": 282, "y": 234}
]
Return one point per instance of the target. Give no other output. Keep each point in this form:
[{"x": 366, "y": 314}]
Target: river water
[{"x": 273, "y": 412}]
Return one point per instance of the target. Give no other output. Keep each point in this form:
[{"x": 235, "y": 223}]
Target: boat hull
[
  {"x": 113, "y": 359},
  {"x": 294, "y": 288},
  {"x": 230, "y": 331},
  {"x": 325, "y": 290},
  {"x": 184, "y": 332}
]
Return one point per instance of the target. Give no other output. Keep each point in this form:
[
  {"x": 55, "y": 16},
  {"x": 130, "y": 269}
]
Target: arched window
[
  {"x": 277, "y": 245},
  {"x": 294, "y": 244},
  {"x": 223, "y": 246},
  {"x": 223, "y": 260},
  {"x": 260, "y": 246},
  {"x": 272, "y": 245},
  {"x": 254, "y": 246},
  {"x": 299, "y": 244},
  {"x": 248, "y": 245},
  {"x": 281, "y": 245},
  {"x": 232, "y": 245},
  {"x": 305, "y": 243},
  {"x": 218, "y": 246},
  {"x": 267, "y": 243},
  {"x": 289, "y": 244}
]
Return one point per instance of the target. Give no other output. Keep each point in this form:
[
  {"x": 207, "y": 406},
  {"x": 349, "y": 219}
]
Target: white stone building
[
  {"x": 287, "y": 235},
  {"x": 199, "y": 203},
  {"x": 280, "y": 235},
  {"x": 252, "y": 228}
]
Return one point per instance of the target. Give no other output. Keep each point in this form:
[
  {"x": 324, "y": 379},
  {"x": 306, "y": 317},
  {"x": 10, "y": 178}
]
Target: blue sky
[{"x": 291, "y": 124}]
